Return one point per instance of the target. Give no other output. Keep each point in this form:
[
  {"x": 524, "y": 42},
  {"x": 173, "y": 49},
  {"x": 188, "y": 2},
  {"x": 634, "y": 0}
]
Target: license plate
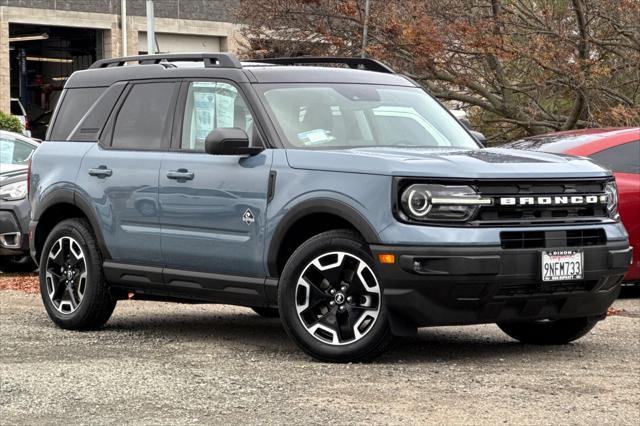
[{"x": 562, "y": 265}]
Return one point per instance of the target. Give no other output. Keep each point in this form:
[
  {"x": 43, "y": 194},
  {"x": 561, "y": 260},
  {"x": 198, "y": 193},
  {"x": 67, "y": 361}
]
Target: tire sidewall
[
  {"x": 70, "y": 228},
  {"x": 308, "y": 251}
]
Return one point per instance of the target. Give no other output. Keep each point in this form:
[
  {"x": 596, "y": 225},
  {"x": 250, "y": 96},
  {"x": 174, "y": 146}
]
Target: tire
[
  {"x": 559, "y": 332},
  {"x": 17, "y": 264},
  {"x": 87, "y": 303},
  {"x": 335, "y": 314},
  {"x": 267, "y": 312}
]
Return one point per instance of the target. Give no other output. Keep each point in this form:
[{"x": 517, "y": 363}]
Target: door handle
[
  {"x": 101, "y": 172},
  {"x": 180, "y": 175}
]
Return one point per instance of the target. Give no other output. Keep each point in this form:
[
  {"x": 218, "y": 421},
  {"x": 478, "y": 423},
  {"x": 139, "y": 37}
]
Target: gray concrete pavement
[{"x": 160, "y": 363}]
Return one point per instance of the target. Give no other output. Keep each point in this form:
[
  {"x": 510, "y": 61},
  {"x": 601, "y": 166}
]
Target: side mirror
[
  {"x": 482, "y": 139},
  {"x": 229, "y": 141}
]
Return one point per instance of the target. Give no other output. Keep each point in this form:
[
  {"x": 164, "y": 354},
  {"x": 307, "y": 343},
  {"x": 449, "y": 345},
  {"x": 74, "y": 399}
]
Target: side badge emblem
[{"x": 248, "y": 218}]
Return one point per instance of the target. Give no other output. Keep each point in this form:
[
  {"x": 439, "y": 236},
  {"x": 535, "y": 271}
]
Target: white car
[{"x": 17, "y": 110}]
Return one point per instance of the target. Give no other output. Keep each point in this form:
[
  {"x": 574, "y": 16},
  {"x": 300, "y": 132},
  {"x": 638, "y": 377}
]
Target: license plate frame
[{"x": 562, "y": 265}]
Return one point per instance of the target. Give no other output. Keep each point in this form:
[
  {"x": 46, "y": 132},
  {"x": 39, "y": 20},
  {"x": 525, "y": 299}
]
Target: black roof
[{"x": 223, "y": 65}]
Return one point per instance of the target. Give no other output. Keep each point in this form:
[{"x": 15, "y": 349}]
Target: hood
[
  {"x": 490, "y": 163},
  {"x": 9, "y": 172}
]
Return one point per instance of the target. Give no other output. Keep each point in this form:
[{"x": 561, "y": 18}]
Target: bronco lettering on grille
[{"x": 563, "y": 200}]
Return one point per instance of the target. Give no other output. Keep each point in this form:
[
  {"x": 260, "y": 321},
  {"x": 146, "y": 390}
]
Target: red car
[{"x": 618, "y": 150}]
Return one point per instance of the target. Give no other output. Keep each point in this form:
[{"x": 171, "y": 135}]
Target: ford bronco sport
[{"x": 344, "y": 199}]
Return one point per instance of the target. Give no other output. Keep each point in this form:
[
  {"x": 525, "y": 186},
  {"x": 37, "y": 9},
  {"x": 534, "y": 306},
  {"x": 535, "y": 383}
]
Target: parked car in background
[
  {"x": 615, "y": 149},
  {"x": 15, "y": 152},
  {"x": 17, "y": 110}
]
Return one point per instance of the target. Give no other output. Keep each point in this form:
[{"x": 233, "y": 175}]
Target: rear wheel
[
  {"x": 331, "y": 300},
  {"x": 72, "y": 285},
  {"x": 558, "y": 332}
]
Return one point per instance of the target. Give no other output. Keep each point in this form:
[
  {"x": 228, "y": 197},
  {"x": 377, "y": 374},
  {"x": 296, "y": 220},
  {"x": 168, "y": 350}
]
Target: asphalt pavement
[{"x": 158, "y": 363}]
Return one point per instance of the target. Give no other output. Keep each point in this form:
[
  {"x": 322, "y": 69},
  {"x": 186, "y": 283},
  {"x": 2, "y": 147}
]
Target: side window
[
  {"x": 212, "y": 105},
  {"x": 143, "y": 120},
  {"x": 13, "y": 151},
  {"x": 75, "y": 104},
  {"x": 623, "y": 158}
]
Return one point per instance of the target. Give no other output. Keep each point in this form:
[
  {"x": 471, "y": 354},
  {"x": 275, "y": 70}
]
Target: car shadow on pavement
[{"x": 249, "y": 330}]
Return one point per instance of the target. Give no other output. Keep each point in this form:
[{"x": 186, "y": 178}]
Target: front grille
[
  {"x": 540, "y": 214},
  {"x": 552, "y": 239},
  {"x": 522, "y": 289}
]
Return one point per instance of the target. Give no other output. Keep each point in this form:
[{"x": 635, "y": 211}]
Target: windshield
[
  {"x": 330, "y": 116},
  {"x": 13, "y": 151}
]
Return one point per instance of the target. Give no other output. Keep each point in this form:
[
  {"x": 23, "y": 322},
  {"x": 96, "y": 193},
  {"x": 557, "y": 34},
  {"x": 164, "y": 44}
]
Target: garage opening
[{"x": 41, "y": 59}]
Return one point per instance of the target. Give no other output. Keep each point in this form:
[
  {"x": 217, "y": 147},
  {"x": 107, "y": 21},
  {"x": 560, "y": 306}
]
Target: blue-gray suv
[{"x": 344, "y": 199}]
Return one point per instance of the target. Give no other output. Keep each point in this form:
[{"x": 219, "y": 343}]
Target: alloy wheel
[
  {"x": 66, "y": 275},
  {"x": 338, "y": 298}
]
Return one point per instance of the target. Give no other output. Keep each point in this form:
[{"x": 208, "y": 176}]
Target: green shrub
[{"x": 10, "y": 123}]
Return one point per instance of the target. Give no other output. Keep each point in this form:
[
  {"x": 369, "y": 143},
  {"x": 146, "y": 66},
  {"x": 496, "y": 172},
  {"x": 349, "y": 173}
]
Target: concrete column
[
  {"x": 5, "y": 84},
  {"x": 132, "y": 38},
  {"x": 112, "y": 43}
]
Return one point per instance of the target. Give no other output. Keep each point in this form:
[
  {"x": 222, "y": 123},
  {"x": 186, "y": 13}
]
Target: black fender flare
[
  {"x": 70, "y": 196},
  {"x": 312, "y": 206}
]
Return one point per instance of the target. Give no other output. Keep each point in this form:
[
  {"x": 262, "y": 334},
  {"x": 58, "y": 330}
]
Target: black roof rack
[
  {"x": 211, "y": 60},
  {"x": 356, "y": 63}
]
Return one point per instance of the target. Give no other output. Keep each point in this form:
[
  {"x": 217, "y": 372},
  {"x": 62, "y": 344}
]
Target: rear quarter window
[
  {"x": 623, "y": 158},
  {"x": 75, "y": 104}
]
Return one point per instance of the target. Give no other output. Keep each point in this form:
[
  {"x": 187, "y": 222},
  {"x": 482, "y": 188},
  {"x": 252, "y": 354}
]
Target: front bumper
[
  {"x": 472, "y": 285},
  {"x": 14, "y": 228}
]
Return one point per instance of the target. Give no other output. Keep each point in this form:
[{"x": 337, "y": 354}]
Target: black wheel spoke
[
  {"x": 316, "y": 297},
  {"x": 346, "y": 323},
  {"x": 73, "y": 299},
  {"x": 58, "y": 289}
]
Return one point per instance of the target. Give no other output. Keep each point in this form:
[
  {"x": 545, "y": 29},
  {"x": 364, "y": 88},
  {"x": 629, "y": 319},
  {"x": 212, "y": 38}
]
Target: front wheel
[
  {"x": 330, "y": 299},
  {"x": 558, "y": 332}
]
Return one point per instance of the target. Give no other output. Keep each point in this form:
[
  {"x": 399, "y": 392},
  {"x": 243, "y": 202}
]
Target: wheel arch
[
  {"x": 309, "y": 218},
  {"x": 58, "y": 206}
]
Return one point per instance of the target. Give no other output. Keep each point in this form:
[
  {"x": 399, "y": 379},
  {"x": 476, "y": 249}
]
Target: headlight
[
  {"x": 14, "y": 191},
  {"x": 438, "y": 203},
  {"x": 612, "y": 199}
]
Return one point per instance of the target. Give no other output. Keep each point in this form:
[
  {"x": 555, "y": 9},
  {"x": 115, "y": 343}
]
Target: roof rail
[
  {"x": 211, "y": 60},
  {"x": 356, "y": 63}
]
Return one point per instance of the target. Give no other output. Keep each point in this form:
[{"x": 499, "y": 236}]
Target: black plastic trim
[
  {"x": 210, "y": 60},
  {"x": 312, "y": 206},
  {"x": 66, "y": 196},
  {"x": 367, "y": 64},
  {"x": 473, "y": 285},
  {"x": 188, "y": 285},
  {"x": 271, "y": 187}
]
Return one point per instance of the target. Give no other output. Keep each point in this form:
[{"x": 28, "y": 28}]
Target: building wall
[
  {"x": 198, "y": 17},
  {"x": 208, "y": 10}
]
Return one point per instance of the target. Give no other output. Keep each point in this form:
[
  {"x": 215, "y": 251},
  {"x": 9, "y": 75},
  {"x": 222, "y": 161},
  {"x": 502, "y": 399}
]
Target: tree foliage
[
  {"x": 10, "y": 123},
  {"x": 519, "y": 66}
]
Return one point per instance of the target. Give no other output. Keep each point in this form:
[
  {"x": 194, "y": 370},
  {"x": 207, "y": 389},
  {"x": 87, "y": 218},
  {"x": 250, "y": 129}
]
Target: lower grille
[
  {"x": 552, "y": 239},
  {"x": 522, "y": 289}
]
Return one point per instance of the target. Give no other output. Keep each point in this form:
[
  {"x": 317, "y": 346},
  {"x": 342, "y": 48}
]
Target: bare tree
[{"x": 519, "y": 66}]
